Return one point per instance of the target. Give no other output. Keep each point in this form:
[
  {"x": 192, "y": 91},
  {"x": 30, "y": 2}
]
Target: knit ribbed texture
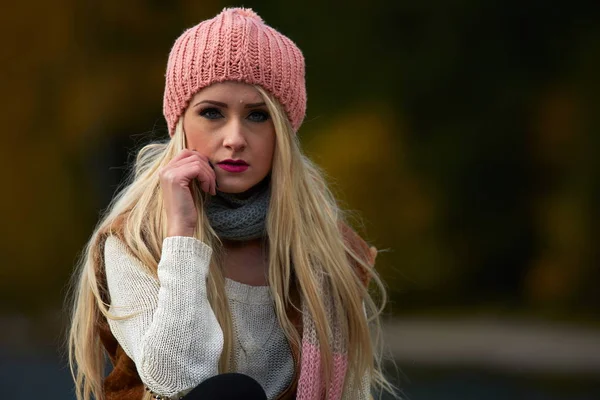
[
  {"x": 260, "y": 349},
  {"x": 236, "y": 45},
  {"x": 175, "y": 340},
  {"x": 173, "y": 335},
  {"x": 240, "y": 216},
  {"x": 310, "y": 384}
]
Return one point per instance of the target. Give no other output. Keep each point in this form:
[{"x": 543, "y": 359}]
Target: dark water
[{"x": 30, "y": 377}]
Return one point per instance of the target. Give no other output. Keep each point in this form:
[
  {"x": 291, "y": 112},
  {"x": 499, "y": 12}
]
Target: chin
[{"x": 235, "y": 188}]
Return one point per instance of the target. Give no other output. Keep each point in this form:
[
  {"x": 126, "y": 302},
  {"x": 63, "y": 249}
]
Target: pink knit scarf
[{"x": 310, "y": 383}]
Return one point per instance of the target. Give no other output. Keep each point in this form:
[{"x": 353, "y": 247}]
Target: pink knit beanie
[{"x": 236, "y": 45}]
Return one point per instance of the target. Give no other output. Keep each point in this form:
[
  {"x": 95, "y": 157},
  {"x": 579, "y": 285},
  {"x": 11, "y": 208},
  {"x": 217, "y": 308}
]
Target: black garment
[{"x": 232, "y": 386}]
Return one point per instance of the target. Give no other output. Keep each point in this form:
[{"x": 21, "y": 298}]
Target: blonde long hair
[{"x": 306, "y": 247}]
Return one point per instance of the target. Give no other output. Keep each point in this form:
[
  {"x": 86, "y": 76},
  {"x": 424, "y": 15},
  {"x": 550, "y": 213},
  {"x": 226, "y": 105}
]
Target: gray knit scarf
[{"x": 240, "y": 216}]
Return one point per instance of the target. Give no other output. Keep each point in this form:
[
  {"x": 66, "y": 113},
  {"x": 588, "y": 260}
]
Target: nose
[{"x": 234, "y": 138}]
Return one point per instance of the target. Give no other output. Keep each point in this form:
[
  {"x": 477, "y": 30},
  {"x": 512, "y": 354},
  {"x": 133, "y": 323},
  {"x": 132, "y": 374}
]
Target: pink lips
[{"x": 233, "y": 165}]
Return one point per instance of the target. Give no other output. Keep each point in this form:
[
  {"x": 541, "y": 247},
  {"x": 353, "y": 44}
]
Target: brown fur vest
[{"x": 124, "y": 383}]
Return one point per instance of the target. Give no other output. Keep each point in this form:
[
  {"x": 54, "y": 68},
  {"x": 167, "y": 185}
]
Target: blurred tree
[
  {"x": 81, "y": 75},
  {"x": 462, "y": 131}
]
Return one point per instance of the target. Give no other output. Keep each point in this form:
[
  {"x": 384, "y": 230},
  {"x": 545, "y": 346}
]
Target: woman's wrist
[{"x": 180, "y": 231}]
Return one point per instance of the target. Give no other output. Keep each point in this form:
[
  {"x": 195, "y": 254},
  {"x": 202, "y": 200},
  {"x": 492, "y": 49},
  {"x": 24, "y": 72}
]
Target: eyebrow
[
  {"x": 216, "y": 103},
  {"x": 252, "y": 105},
  {"x": 224, "y": 105}
]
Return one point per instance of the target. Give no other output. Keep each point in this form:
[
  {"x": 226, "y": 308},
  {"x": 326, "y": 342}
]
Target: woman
[{"x": 227, "y": 252}]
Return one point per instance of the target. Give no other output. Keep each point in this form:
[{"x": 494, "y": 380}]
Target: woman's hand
[{"x": 176, "y": 182}]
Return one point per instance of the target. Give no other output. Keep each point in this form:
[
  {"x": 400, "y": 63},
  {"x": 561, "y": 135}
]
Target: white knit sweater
[{"x": 171, "y": 332}]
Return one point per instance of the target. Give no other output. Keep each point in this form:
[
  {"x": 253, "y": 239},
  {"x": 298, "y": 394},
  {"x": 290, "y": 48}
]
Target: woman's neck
[{"x": 246, "y": 261}]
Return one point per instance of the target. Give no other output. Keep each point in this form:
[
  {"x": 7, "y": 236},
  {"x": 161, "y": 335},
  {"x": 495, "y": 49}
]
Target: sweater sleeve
[{"x": 165, "y": 326}]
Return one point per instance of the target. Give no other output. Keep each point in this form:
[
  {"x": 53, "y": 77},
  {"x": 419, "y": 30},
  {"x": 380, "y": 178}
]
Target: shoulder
[
  {"x": 111, "y": 238},
  {"x": 114, "y": 248}
]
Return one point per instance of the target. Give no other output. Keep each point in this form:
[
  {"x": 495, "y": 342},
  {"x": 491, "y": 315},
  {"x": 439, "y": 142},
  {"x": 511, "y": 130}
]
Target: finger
[
  {"x": 205, "y": 186},
  {"x": 185, "y": 153},
  {"x": 200, "y": 171},
  {"x": 190, "y": 160},
  {"x": 216, "y": 185},
  {"x": 189, "y": 156},
  {"x": 202, "y": 176},
  {"x": 208, "y": 178},
  {"x": 183, "y": 174},
  {"x": 181, "y": 160},
  {"x": 208, "y": 172}
]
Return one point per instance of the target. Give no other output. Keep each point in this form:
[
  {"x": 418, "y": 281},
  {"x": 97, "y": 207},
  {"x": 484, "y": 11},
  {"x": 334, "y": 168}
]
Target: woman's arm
[{"x": 170, "y": 330}]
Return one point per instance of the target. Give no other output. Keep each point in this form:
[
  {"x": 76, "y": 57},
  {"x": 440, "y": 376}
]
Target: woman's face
[{"x": 230, "y": 124}]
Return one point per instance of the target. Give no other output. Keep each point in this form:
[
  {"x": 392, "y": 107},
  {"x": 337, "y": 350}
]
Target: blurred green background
[{"x": 461, "y": 133}]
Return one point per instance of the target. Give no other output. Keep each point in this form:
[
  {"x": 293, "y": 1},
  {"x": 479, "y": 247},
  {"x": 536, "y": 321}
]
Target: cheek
[
  {"x": 195, "y": 141},
  {"x": 196, "y": 135},
  {"x": 268, "y": 152}
]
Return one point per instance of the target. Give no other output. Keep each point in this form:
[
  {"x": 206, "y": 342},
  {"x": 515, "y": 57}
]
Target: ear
[{"x": 373, "y": 251}]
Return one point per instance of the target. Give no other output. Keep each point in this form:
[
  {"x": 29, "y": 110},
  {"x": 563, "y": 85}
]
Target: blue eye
[
  {"x": 210, "y": 113},
  {"x": 258, "y": 116}
]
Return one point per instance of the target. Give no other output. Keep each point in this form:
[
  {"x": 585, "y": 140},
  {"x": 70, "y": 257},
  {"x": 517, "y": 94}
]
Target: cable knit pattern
[
  {"x": 172, "y": 333},
  {"x": 261, "y": 349},
  {"x": 174, "y": 338},
  {"x": 236, "y": 45},
  {"x": 175, "y": 341}
]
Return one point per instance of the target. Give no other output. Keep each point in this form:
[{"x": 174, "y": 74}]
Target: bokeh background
[{"x": 461, "y": 133}]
